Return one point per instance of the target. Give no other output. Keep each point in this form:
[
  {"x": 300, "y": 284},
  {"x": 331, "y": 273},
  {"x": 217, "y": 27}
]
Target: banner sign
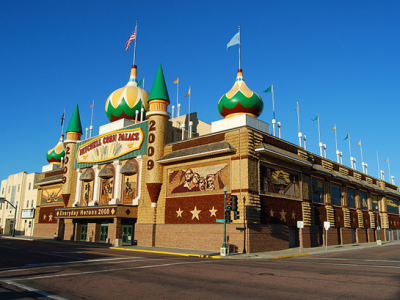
[
  {"x": 97, "y": 212},
  {"x": 109, "y": 146},
  {"x": 28, "y": 213}
]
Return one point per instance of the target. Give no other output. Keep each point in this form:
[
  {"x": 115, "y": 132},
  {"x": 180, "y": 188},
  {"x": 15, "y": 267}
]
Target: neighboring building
[{"x": 20, "y": 190}]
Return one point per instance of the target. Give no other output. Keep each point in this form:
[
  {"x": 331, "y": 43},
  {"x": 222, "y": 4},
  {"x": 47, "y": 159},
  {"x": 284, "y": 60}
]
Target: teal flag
[
  {"x": 268, "y": 90},
  {"x": 141, "y": 82},
  {"x": 347, "y": 136},
  {"x": 315, "y": 119}
]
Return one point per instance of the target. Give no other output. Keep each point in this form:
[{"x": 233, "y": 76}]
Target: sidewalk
[{"x": 287, "y": 253}]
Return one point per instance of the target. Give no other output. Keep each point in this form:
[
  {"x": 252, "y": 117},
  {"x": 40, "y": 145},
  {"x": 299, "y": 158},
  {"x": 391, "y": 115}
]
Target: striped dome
[
  {"x": 55, "y": 155},
  {"x": 240, "y": 100},
  {"x": 124, "y": 102}
]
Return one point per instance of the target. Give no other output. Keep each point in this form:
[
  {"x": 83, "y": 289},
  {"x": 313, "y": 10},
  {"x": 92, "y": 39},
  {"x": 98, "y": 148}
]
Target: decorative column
[
  {"x": 74, "y": 133},
  {"x": 158, "y": 116},
  {"x": 96, "y": 186},
  {"x": 117, "y": 183}
]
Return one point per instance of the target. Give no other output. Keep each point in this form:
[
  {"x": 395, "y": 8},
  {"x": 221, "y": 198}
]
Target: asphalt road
[{"x": 38, "y": 270}]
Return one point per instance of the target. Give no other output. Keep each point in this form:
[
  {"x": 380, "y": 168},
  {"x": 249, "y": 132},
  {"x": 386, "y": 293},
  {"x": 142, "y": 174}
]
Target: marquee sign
[
  {"x": 108, "y": 211},
  {"x": 109, "y": 146}
]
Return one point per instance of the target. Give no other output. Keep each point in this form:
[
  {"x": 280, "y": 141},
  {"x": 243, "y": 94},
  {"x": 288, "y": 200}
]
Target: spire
[
  {"x": 75, "y": 122},
  {"x": 159, "y": 90}
]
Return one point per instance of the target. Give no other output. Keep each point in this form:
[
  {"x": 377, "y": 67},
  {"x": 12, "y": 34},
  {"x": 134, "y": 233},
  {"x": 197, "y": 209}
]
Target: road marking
[
  {"x": 373, "y": 260},
  {"x": 113, "y": 270},
  {"x": 43, "y": 293},
  {"x": 338, "y": 264},
  {"x": 67, "y": 252}
]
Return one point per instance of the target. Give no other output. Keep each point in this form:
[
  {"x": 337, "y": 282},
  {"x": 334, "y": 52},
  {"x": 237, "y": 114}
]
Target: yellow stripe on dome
[
  {"x": 245, "y": 89},
  {"x": 59, "y": 148},
  {"x": 132, "y": 96}
]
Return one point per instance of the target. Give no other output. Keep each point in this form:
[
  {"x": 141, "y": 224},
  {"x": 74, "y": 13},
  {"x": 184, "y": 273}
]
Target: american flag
[{"x": 131, "y": 38}]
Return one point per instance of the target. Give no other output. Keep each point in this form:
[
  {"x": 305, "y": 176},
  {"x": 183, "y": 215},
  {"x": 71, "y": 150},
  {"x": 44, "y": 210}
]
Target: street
[{"x": 35, "y": 269}]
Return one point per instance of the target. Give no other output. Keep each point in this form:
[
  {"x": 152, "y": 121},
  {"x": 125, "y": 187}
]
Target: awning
[
  {"x": 50, "y": 179},
  {"x": 282, "y": 154},
  {"x": 198, "y": 151}
]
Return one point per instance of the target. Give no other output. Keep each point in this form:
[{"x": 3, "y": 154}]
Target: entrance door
[
  {"x": 83, "y": 232},
  {"x": 103, "y": 232},
  {"x": 127, "y": 234}
]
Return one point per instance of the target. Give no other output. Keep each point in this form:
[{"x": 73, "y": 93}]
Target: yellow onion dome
[
  {"x": 55, "y": 155},
  {"x": 240, "y": 100},
  {"x": 124, "y": 102}
]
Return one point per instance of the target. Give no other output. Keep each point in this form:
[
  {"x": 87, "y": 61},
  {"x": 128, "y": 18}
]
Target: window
[
  {"x": 19, "y": 187},
  {"x": 318, "y": 190},
  {"x": 336, "y": 195},
  {"x": 3, "y": 191},
  {"x": 29, "y": 187},
  {"x": 32, "y": 203},
  {"x": 375, "y": 203},
  {"x": 363, "y": 200},
  {"x": 392, "y": 206},
  {"x": 27, "y": 204},
  {"x": 351, "y": 198}
]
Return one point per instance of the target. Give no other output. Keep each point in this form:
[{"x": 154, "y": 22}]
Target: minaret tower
[
  {"x": 74, "y": 132},
  {"x": 158, "y": 116}
]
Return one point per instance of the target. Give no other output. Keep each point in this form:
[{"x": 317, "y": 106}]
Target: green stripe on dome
[
  {"x": 75, "y": 122},
  {"x": 159, "y": 89},
  {"x": 239, "y": 97}
]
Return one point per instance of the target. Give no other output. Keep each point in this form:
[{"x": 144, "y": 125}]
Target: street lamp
[
  {"x": 378, "y": 228},
  {"x": 224, "y": 247},
  {"x": 2, "y": 200}
]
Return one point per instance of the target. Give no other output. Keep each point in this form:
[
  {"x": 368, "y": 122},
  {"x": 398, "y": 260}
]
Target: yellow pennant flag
[
  {"x": 359, "y": 143},
  {"x": 387, "y": 159},
  {"x": 188, "y": 93},
  {"x": 334, "y": 128},
  {"x": 176, "y": 81}
]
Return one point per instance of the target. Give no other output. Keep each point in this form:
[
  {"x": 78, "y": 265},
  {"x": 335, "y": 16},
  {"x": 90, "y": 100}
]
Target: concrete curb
[
  {"x": 169, "y": 253},
  {"x": 290, "y": 256}
]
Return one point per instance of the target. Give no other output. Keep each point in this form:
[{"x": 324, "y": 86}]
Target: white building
[{"x": 20, "y": 190}]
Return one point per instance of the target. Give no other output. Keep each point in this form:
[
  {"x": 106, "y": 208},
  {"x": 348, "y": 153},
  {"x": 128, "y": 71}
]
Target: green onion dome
[
  {"x": 240, "y": 100},
  {"x": 55, "y": 155},
  {"x": 124, "y": 102}
]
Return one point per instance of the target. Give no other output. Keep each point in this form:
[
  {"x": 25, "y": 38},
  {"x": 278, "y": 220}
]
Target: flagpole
[
  {"x": 62, "y": 125},
  {"x": 273, "y": 110},
  {"x": 379, "y": 169},
  {"x": 240, "y": 63},
  {"x": 299, "y": 134},
  {"x": 142, "y": 109},
  {"x": 177, "y": 94},
  {"x": 351, "y": 157},
  {"x": 337, "y": 150},
  {"x": 319, "y": 137},
  {"x": 134, "y": 49},
  {"x": 91, "y": 121},
  {"x": 362, "y": 158},
  {"x": 390, "y": 175}
]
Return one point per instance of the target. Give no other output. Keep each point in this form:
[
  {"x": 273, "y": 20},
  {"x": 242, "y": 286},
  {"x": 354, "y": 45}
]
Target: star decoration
[
  {"x": 44, "y": 217},
  {"x": 112, "y": 211},
  {"x": 195, "y": 213},
  {"x": 283, "y": 215},
  {"x": 179, "y": 213},
  {"x": 271, "y": 213},
  {"x": 213, "y": 212},
  {"x": 51, "y": 217},
  {"x": 293, "y": 215}
]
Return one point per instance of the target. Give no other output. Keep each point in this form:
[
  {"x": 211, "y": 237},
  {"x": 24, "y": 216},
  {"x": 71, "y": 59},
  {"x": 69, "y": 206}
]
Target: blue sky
[{"x": 339, "y": 59}]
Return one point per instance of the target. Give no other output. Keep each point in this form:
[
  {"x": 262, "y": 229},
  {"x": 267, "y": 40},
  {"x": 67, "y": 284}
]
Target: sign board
[
  {"x": 300, "y": 224},
  {"x": 2, "y": 200},
  {"x": 327, "y": 225},
  {"x": 110, "y": 146},
  {"x": 220, "y": 220},
  {"x": 28, "y": 213}
]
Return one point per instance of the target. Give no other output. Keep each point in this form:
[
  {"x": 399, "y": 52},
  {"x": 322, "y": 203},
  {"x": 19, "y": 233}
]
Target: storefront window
[
  {"x": 336, "y": 195},
  {"x": 318, "y": 190},
  {"x": 351, "y": 198}
]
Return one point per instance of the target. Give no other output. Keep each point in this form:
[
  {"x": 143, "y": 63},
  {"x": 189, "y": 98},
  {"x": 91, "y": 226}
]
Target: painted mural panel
[
  {"x": 336, "y": 195},
  {"x": 205, "y": 179},
  {"x": 351, "y": 198},
  {"x": 363, "y": 200},
  {"x": 87, "y": 193},
  {"x": 277, "y": 181},
  {"x": 107, "y": 187},
  {"x": 318, "y": 190},
  {"x": 51, "y": 196},
  {"x": 129, "y": 188},
  {"x": 392, "y": 206}
]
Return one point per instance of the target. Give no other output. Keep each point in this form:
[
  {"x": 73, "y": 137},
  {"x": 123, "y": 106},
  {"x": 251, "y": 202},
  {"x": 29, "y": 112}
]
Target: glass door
[
  {"x": 127, "y": 234},
  {"x": 83, "y": 232},
  {"x": 103, "y": 232}
]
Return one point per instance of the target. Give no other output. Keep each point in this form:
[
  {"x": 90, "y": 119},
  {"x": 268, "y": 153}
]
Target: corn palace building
[{"x": 149, "y": 179}]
